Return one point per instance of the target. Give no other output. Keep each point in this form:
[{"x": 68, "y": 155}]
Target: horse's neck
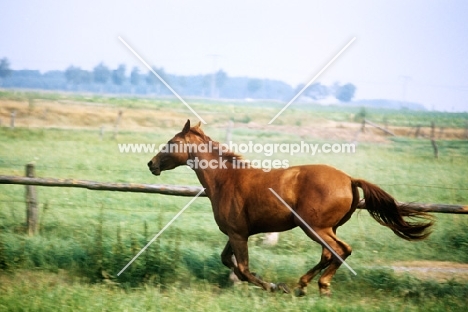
[
  {"x": 209, "y": 173},
  {"x": 206, "y": 180}
]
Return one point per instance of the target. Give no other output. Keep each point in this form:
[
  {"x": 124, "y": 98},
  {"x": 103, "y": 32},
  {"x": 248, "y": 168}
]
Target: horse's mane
[{"x": 229, "y": 155}]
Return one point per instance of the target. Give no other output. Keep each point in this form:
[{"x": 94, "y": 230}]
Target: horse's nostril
[{"x": 150, "y": 163}]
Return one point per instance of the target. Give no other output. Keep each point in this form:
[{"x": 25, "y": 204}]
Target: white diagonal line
[
  {"x": 313, "y": 79},
  {"x": 162, "y": 80},
  {"x": 160, "y": 232},
  {"x": 315, "y": 233}
]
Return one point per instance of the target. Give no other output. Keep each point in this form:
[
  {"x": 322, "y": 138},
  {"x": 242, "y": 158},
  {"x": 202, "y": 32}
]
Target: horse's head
[{"x": 176, "y": 152}]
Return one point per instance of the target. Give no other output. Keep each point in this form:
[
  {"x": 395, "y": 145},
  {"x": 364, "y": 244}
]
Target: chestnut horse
[{"x": 324, "y": 197}]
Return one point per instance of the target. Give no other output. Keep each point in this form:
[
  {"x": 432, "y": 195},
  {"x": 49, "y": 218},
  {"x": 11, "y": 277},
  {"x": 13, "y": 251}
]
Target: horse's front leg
[
  {"x": 229, "y": 260},
  {"x": 227, "y": 256},
  {"x": 238, "y": 244}
]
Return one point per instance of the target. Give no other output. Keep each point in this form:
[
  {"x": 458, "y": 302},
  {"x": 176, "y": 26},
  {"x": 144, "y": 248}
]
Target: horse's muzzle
[{"x": 154, "y": 170}]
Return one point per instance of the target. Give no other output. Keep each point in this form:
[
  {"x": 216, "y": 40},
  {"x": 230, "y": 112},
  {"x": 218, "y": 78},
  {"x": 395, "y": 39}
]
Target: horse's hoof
[
  {"x": 271, "y": 287},
  {"x": 279, "y": 287},
  {"x": 283, "y": 287},
  {"x": 299, "y": 292}
]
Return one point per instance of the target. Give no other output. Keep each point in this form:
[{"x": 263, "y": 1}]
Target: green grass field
[{"x": 87, "y": 234}]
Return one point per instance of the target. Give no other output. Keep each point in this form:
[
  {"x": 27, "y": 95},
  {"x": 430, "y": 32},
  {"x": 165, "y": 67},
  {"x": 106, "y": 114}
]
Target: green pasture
[{"x": 86, "y": 237}]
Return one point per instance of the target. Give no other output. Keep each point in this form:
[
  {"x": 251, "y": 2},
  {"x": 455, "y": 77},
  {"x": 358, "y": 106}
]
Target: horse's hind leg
[
  {"x": 327, "y": 275},
  {"x": 328, "y": 262},
  {"x": 325, "y": 261}
]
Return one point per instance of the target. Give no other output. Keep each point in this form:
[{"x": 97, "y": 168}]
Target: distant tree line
[{"x": 102, "y": 79}]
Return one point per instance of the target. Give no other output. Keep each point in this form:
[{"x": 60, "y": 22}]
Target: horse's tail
[{"x": 384, "y": 209}]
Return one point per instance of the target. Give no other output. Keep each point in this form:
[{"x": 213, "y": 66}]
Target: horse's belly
[{"x": 271, "y": 221}]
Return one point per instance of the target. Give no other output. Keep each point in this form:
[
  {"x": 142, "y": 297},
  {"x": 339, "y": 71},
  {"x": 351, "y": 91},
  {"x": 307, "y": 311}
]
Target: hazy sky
[{"x": 425, "y": 41}]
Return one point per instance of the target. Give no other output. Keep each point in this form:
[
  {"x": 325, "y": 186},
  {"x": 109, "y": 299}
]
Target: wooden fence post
[
  {"x": 433, "y": 142},
  {"x": 12, "y": 120},
  {"x": 31, "y": 203},
  {"x": 116, "y": 125}
]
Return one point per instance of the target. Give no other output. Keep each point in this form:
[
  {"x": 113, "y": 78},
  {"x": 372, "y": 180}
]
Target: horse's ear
[
  {"x": 198, "y": 125},
  {"x": 186, "y": 127}
]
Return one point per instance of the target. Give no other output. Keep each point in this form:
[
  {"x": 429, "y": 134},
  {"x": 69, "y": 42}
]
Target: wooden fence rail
[
  {"x": 182, "y": 191},
  {"x": 100, "y": 186}
]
